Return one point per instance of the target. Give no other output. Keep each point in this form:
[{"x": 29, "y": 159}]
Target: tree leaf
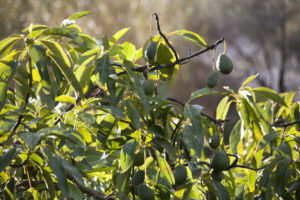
[
  {"x": 31, "y": 139},
  {"x": 165, "y": 168},
  {"x": 61, "y": 60},
  {"x": 249, "y": 79},
  {"x": 79, "y": 14},
  {"x": 117, "y": 142},
  {"x": 271, "y": 94},
  {"x": 72, "y": 171},
  {"x": 66, "y": 98},
  {"x": 115, "y": 112},
  {"x": 221, "y": 191},
  {"x": 222, "y": 108},
  {"x": 133, "y": 114},
  {"x": 6, "y": 158},
  {"x": 127, "y": 154},
  {"x": 117, "y": 36},
  {"x": 235, "y": 137},
  {"x": 266, "y": 140},
  {"x": 189, "y": 35},
  {"x": 202, "y": 92},
  {"x": 49, "y": 184},
  {"x": 7, "y": 43},
  {"x": 62, "y": 31},
  {"x": 102, "y": 68}
]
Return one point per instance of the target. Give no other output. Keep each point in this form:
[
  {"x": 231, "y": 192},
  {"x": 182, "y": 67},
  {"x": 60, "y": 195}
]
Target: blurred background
[{"x": 262, "y": 36}]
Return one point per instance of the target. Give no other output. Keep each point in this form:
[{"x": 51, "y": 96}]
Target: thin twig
[
  {"x": 284, "y": 125},
  {"x": 163, "y": 35},
  {"x": 247, "y": 167},
  {"x": 180, "y": 61}
]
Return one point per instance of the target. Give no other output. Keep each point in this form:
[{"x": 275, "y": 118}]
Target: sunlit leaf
[
  {"x": 194, "y": 37},
  {"x": 249, "y": 79},
  {"x": 79, "y": 14},
  {"x": 269, "y": 93},
  {"x": 117, "y": 36},
  {"x": 127, "y": 154},
  {"x": 66, "y": 98},
  {"x": 165, "y": 168},
  {"x": 60, "y": 58},
  {"x": 235, "y": 137},
  {"x": 202, "y": 92}
]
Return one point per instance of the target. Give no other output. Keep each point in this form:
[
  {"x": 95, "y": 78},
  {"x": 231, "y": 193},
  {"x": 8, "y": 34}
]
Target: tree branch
[
  {"x": 165, "y": 38},
  {"x": 284, "y": 125}
]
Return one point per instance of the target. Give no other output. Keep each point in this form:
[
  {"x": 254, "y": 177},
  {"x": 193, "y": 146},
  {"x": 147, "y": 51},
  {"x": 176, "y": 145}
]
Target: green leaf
[
  {"x": 127, "y": 154},
  {"x": 57, "y": 54},
  {"x": 267, "y": 172},
  {"x": 165, "y": 168},
  {"x": 7, "y": 43},
  {"x": 49, "y": 184},
  {"x": 194, "y": 113},
  {"x": 165, "y": 57},
  {"x": 117, "y": 143},
  {"x": 193, "y": 143},
  {"x": 115, "y": 112},
  {"x": 72, "y": 171},
  {"x": 6, "y": 158},
  {"x": 102, "y": 68},
  {"x": 79, "y": 14},
  {"x": 203, "y": 92},
  {"x": 58, "y": 170},
  {"x": 75, "y": 192},
  {"x": 66, "y": 98},
  {"x": 132, "y": 114},
  {"x": 266, "y": 140},
  {"x": 252, "y": 181},
  {"x": 117, "y": 36},
  {"x": 282, "y": 175},
  {"x": 7, "y": 72},
  {"x": 249, "y": 79},
  {"x": 271, "y": 94},
  {"x": 62, "y": 31},
  {"x": 31, "y": 139},
  {"x": 221, "y": 191},
  {"x": 189, "y": 35},
  {"x": 235, "y": 137},
  {"x": 222, "y": 108}
]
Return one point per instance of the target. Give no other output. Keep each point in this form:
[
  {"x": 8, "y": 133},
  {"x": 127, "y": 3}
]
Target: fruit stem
[
  {"x": 214, "y": 52},
  {"x": 225, "y": 47}
]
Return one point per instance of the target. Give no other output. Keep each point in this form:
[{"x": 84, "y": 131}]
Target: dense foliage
[{"x": 79, "y": 119}]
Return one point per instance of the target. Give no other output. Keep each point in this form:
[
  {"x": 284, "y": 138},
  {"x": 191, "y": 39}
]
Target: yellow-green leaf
[
  {"x": 194, "y": 37},
  {"x": 57, "y": 54},
  {"x": 165, "y": 168}
]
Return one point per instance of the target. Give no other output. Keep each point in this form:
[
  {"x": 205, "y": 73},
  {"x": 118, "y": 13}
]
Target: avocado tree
[{"x": 82, "y": 118}]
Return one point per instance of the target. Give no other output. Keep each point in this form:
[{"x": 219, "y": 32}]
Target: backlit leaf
[
  {"x": 165, "y": 168},
  {"x": 127, "y": 154},
  {"x": 194, "y": 37}
]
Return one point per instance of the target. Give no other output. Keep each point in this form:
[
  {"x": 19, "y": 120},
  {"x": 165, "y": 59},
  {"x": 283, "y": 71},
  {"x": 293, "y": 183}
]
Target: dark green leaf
[
  {"x": 117, "y": 143},
  {"x": 115, "y": 112},
  {"x": 266, "y": 140},
  {"x": 202, "y": 92},
  {"x": 72, "y": 171},
  {"x": 62, "y": 31},
  {"x": 282, "y": 175},
  {"x": 133, "y": 114},
  {"x": 31, "y": 139},
  {"x": 127, "y": 154},
  {"x": 6, "y": 158},
  {"x": 221, "y": 191},
  {"x": 102, "y": 68},
  {"x": 49, "y": 184}
]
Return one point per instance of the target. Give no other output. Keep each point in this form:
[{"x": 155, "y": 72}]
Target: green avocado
[
  {"x": 138, "y": 177},
  {"x": 180, "y": 174},
  {"x": 138, "y": 158},
  {"x": 149, "y": 87},
  {"x": 224, "y": 64},
  {"x": 145, "y": 193},
  {"x": 151, "y": 51},
  {"x": 213, "y": 80},
  {"x": 220, "y": 161},
  {"x": 214, "y": 140}
]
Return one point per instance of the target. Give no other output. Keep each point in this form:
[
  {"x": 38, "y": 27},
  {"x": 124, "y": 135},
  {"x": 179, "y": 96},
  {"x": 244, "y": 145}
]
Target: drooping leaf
[
  {"x": 49, "y": 184},
  {"x": 72, "y": 171},
  {"x": 202, "y": 92},
  {"x": 266, "y": 140},
  {"x": 193, "y": 143},
  {"x": 222, "y": 108},
  {"x": 165, "y": 168},
  {"x": 127, "y": 154},
  {"x": 61, "y": 60},
  {"x": 115, "y": 112},
  {"x": 133, "y": 114},
  {"x": 221, "y": 191},
  {"x": 79, "y": 14},
  {"x": 189, "y": 35},
  {"x": 269, "y": 93},
  {"x": 6, "y": 158}
]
